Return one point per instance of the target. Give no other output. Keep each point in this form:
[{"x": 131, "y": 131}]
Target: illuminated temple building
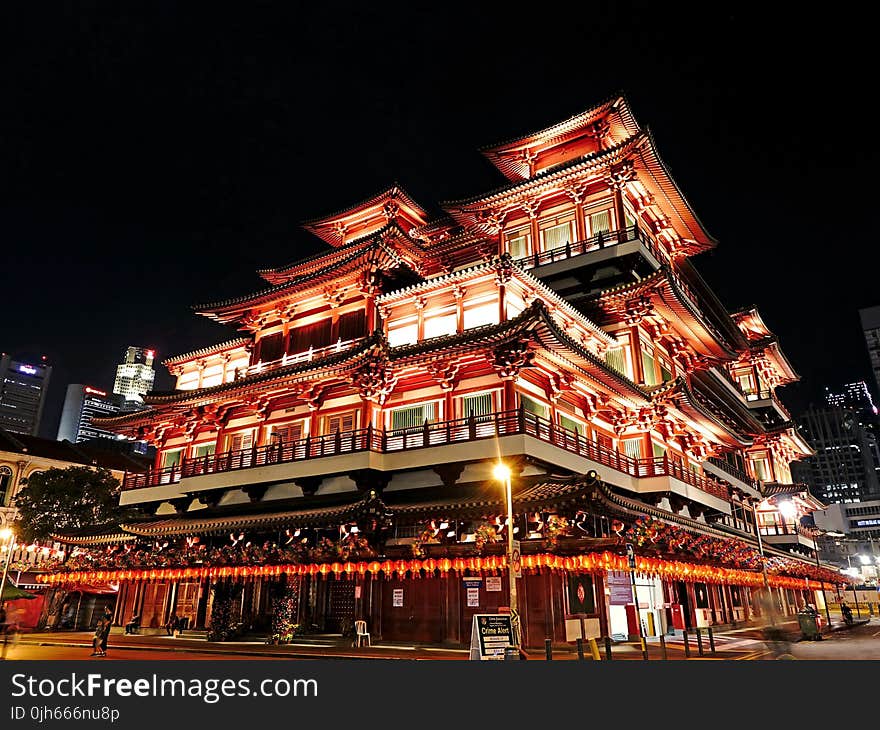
[{"x": 335, "y": 462}]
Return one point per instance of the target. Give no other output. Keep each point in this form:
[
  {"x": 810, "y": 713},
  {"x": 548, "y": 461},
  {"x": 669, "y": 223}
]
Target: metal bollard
[
  {"x": 663, "y": 646},
  {"x": 580, "y": 645},
  {"x": 608, "y": 648},
  {"x": 700, "y": 642},
  {"x": 711, "y": 640},
  {"x": 548, "y": 649},
  {"x": 644, "y": 644},
  {"x": 687, "y": 646},
  {"x": 594, "y": 650}
]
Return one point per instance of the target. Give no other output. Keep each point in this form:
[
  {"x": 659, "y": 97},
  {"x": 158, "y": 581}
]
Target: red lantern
[
  {"x": 459, "y": 565},
  {"x": 374, "y": 567},
  {"x": 388, "y": 568},
  {"x": 429, "y": 565},
  {"x": 445, "y": 565},
  {"x": 362, "y": 569},
  {"x": 336, "y": 568}
]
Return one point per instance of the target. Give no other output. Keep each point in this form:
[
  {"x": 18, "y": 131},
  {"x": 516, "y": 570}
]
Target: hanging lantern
[
  {"x": 401, "y": 567},
  {"x": 387, "y": 568},
  {"x": 323, "y": 570},
  {"x": 429, "y": 565},
  {"x": 445, "y": 565},
  {"x": 362, "y": 569},
  {"x": 374, "y": 567},
  {"x": 336, "y": 568},
  {"x": 459, "y": 565},
  {"x": 348, "y": 568}
]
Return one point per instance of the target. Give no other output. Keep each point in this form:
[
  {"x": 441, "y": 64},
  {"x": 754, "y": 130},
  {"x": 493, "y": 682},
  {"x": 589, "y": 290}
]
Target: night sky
[{"x": 153, "y": 159}]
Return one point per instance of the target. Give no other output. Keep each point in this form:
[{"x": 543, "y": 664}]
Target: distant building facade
[
  {"x": 82, "y": 403},
  {"x": 23, "y": 385},
  {"x": 134, "y": 377},
  {"x": 871, "y": 327},
  {"x": 843, "y": 469}
]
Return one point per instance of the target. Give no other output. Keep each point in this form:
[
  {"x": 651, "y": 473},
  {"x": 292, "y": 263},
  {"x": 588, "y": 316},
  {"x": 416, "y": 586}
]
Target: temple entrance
[{"x": 339, "y": 613}]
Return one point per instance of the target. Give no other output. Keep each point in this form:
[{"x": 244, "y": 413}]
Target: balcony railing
[
  {"x": 787, "y": 529},
  {"x": 729, "y": 468},
  {"x": 604, "y": 239},
  {"x": 460, "y": 430},
  {"x": 307, "y": 356}
]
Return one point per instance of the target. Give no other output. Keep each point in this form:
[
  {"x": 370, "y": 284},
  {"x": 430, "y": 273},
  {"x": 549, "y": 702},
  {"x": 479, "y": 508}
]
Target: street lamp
[
  {"x": 754, "y": 506},
  {"x": 6, "y": 536},
  {"x": 502, "y": 474}
]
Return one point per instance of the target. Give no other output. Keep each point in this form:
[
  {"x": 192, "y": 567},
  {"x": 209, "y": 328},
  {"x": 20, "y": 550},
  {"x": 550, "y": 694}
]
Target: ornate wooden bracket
[
  {"x": 255, "y": 492},
  {"x": 368, "y": 480},
  {"x": 449, "y": 473},
  {"x": 181, "y": 504},
  {"x": 509, "y": 359},
  {"x": 309, "y": 485},
  {"x": 210, "y": 497}
]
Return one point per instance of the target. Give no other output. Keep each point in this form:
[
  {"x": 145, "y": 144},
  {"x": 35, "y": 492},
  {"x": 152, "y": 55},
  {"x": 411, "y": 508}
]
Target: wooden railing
[
  {"x": 729, "y": 468},
  {"x": 305, "y": 356},
  {"x": 601, "y": 240},
  {"x": 459, "y": 430}
]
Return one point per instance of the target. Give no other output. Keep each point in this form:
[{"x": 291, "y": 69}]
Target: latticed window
[
  {"x": 172, "y": 458},
  {"x": 477, "y": 404},
  {"x": 599, "y": 222},
  {"x": 556, "y": 236},
  {"x": 616, "y": 359},
  {"x": 518, "y": 244},
  {"x": 530, "y": 405},
  {"x": 242, "y": 441},
  {"x": 633, "y": 448},
  {"x": 288, "y": 432},
  {"x": 412, "y": 416},
  {"x": 571, "y": 424},
  {"x": 341, "y": 423},
  {"x": 650, "y": 372},
  {"x": 203, "y": 450}
]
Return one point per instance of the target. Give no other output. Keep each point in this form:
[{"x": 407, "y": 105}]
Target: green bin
[{"x": 809, "y": 625}]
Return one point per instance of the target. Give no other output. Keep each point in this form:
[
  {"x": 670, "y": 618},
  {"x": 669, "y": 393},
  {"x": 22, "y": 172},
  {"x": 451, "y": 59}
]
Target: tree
[{"x": 64, "y": 499}]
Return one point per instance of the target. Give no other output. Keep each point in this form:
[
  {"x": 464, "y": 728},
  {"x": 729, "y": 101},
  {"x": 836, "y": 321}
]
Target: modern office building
[
  {"x": 134, "y": 377},
  {"x": 81, "y": 404},
  {"x": 871, "y": 327},
  {"x": 843, "y": 468},
  {"x": 23, "y": 387}
]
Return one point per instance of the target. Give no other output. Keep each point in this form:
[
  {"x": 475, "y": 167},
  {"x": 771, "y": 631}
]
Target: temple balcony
[
  {"x": 763, "y": 400},
  {"x": 730, "y": 474},
  {"x": 789, "y": 535},
  {"x": 600, "y": 262},
  {"x": 467, "y": 440}
]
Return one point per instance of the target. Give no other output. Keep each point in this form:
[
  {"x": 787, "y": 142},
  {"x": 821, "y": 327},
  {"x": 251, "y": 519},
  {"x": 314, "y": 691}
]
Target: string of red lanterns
[{"x": 586, "y": 563}]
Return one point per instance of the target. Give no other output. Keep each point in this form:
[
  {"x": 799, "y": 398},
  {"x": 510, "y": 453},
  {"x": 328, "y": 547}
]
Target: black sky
[{"x": 154, "y": 156}]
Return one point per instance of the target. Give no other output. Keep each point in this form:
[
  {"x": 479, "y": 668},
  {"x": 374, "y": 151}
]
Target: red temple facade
[{"x": 335, "y": 462}]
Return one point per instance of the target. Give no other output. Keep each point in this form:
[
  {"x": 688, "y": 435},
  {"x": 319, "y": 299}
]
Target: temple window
[
  {"x": 648, "y": 365},
  {"x": 352, "y": 325},
  {"x": 171, "y": 458},
  {"x": 632, "y": 447},
  {"x": 667, "y": 370},
  {"x": 482, "y": 314},
  {"x": 761, "y": 467},
  {"x": 556, "y": 232},
  {"x": 616, "y": 360},
  {"x": 402, "y": 334},
  {"x": 314, "y": 336},
  {"x": 535, "y": 407},
  {"x": 286, "y": 433},
  {"x": 270, "y": 348},
  {"x": 598, "y": 221},
  {"x": 658, "y": 449},
  {"x": 572, "y": 424},
  {"x": 340, "y": 422},
  {"x": 444, "y": 324},
  {"x": 242, "y": 440},
  {"x": 201, "y": 450},
  {"x": 519, "y": 243},
  {"x": 412, "y": 416},
  {"x": 476, "y": 404}
]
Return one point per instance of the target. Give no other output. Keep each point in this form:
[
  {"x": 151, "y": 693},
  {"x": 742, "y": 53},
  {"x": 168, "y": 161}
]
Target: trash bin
[{"x": 809, "y": 625}]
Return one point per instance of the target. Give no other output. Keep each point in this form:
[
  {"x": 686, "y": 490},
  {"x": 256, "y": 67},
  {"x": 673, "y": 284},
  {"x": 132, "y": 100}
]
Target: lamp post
[
  {"x": 754, "y": 507},
  {"x": 6, "y": 536},
  {"x": 789, "y": 511},
  {"x": 822, "y": 582},
  {"x": 502, "y": 474}
]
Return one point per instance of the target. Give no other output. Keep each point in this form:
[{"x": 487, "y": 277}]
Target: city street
[{"x": 857, "y": 643}]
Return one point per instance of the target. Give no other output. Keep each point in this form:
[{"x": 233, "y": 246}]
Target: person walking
[{"x": 98, "y": 638}]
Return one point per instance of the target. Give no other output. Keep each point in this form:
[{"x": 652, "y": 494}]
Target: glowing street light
[{"x": 502, "y": 474}]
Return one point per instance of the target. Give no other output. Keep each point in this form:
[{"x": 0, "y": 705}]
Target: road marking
[{"x": 877, "y": 633}]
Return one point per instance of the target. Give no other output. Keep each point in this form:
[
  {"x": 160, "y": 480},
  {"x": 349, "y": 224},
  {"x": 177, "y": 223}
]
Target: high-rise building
[
  {"x": 134, "y": 377},
  {"x": 81, "y": 404},
  {"x": 871, "y": 326},
  {"x": 855, "y": 396},
  {"x": 23, "y": 385},
  {"x": 843, "y": 468}
]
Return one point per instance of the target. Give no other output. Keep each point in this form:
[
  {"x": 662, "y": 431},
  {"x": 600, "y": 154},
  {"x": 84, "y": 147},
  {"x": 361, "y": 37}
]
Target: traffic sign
[
  {"x": 516, "y": 559},
  {"x": 631, "y": 555}
]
